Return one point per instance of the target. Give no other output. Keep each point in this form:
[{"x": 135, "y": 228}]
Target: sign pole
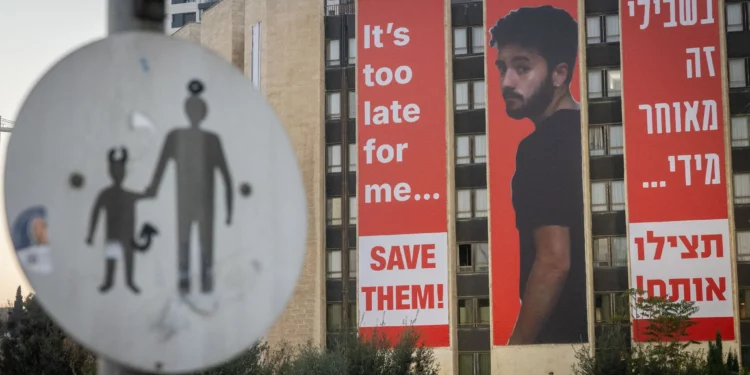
[{"x": 123, "y": 16}]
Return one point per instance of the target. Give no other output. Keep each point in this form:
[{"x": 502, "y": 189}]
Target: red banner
[
  {"x": 402, "y": 179},
  {"x": 535, "y": 173},
  {"x": 674, "y": 139}
]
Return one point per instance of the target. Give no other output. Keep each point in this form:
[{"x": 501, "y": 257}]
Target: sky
[{"x": 35, "y": 35}]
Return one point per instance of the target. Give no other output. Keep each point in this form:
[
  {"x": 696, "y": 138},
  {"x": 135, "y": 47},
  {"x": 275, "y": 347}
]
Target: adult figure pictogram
[{"x": 197, "y": 155}]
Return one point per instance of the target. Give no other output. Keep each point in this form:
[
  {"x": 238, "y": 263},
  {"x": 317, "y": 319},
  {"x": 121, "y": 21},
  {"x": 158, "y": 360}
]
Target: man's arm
[
  {"x": 167, "y": 151},
  {"x": 546, "y": 281},
  {"x": 226, "y": 175},
  {"x": 94, "y": 218}
]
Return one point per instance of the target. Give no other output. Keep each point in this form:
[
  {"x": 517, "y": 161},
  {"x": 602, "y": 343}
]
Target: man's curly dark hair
[{"x": 550, "y": 31}]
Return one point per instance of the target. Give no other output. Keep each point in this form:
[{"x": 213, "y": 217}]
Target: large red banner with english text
[
  {"x": 401, "y": 193},
  {"x": 674, "y": 145},
  {"x": 540, "y": 37}
]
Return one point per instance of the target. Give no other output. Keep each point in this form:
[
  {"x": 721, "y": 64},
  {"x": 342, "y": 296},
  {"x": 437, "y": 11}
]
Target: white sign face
[{"x": 155, "y": 203}]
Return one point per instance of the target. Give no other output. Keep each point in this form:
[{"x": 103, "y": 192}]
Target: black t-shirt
[{"x": 548, "y": 190}]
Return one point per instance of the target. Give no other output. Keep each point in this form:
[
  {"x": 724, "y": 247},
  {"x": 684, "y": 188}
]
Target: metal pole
[{"x": 131, "y": 15}]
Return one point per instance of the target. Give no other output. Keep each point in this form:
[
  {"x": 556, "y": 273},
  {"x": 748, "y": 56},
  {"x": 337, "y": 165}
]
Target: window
[
  {"x": 611, "y": 306},
  {"x": 468, "y": 40},
  {"x": 602, "y": 29},
  {"x": 333, "y": 158},
  {"x": 334, "y": 315},
  {"x": 333, "y": 105},
  {"x": 352, "y": 263},
  {"x": 604, "y": 83},
  {"x": 469, "y": 95},
  {"x": 334, "y": 264},
  {"x": 352, "y": 157},
  {"x": 608, "y": 196},
  {"x": 180, "y": 19},
  {"x": 333, "y": 211},
  {"x": 740, "y": 136},
  {"x": 743, "y": 246},
  {"x": 471, "y": 149},
  {"x": 460, "y": 41},
  {"x": 605, "y": 140},
  {"x": 255, "y": 58},
  {"x": 477, "y": 39},
  {"x": 352, "y": 51},
  {"x": 352, "y": 103},
  {"x": 352, "y": 210},
  {"x": 474, "y": 311},
  {"x": 471, "y": 203},
  {"x": 736, "y": 14},
  {"x": 737, "y": 72},
  {"x": 610, "y": 252},
  {"x": 333, "y": 53},
  {"x": 478, "y": 94},
  {"x": 741, "y": 188},
  {"x": 474, "y": 363},
  {"x": 473, "y": 257},
  {"x": 744, "y": 300}
]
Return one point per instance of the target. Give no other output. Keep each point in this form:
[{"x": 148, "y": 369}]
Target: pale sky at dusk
[{"x": 35, "y": 35}]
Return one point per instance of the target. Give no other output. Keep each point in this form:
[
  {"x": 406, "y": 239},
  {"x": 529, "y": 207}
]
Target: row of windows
[
  {"x": 606, "y": 196},
  {"x": 599, "y": 29},
  {"x": 601, "y": 83},
  {"x": 474, "y": 257},
  {"x": 473, "y": 203},
  {"x": 609, "y": 251},
  {"x": 604, "y": 140},
  {"x": 608, "y": 305},
  {"x": 476, "y": 311},
  {"x": 606, "y": 28}
]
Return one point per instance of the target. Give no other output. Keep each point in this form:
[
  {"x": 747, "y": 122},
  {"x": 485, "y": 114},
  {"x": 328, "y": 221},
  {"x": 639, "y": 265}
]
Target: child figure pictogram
[{"x": 120, "y": 218}]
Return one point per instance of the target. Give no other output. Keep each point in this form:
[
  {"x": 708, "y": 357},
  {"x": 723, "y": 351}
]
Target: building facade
[
  {"x": 182, "y": 12},
  {"x": 309, "y": 59}
]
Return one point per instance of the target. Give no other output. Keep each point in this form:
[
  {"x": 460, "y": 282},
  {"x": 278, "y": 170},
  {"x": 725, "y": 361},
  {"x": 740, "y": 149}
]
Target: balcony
[{"x": 340, "y": 9}]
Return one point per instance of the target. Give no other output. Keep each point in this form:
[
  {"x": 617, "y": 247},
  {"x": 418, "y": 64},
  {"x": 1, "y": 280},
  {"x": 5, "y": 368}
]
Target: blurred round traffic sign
[{"x": 155, "y": 203}]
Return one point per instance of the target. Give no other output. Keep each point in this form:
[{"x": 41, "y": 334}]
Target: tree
[
  {"x": 39, "y": 346},
  {"x": 664, "y": 352},
  {"x": 350, "y": 354},
  {"x": 15, "y": 315}
]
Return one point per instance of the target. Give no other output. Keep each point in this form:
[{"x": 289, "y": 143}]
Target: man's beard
[{"x": 535, "y": 105}]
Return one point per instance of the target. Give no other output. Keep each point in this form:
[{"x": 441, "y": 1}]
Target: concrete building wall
[
  {"x": 191, "y": 32},
  {"x": 292, "y": 81},
  {"x": 223, "y": 29},
  {"x": 292, "y": 74}
]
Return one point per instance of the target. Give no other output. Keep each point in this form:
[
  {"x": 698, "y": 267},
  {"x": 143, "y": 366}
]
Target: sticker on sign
[{"x": 159, "y": 213}]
